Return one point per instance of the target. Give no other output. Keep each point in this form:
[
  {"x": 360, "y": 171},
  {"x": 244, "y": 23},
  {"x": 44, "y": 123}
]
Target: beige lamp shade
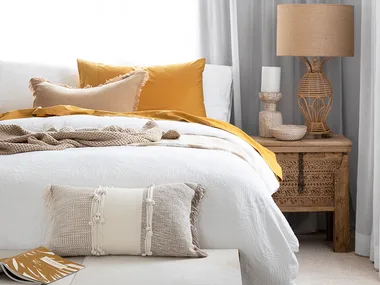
[{"x": 315, "y": 30}]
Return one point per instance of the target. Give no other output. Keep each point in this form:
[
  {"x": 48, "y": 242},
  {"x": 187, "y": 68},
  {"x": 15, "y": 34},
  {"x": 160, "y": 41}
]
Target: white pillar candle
[{"x": 270, "y": 79}]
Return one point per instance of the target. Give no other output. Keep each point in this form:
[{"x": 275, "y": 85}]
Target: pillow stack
[
  {"x": 176, "y": 87},
  {"x": 171, "y": 87}
]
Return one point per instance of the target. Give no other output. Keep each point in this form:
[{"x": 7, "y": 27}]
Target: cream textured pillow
[
  {"x": 120, "y": 94},
  {"x": 158, "y": 220}
]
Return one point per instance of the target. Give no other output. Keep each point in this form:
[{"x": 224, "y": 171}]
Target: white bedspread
[{"x": 237, "y": 211}]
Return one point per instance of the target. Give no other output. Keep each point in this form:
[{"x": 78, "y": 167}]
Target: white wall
[{"x": 128, "y": 31}]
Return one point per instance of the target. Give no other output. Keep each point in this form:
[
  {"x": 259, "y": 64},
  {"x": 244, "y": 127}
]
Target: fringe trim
[
  {"x": 49, "y": 199},
  {"x": 36, "y": 81},
  {"x": 124, "y": 76},
  {"x": 199, "y": 192},
  {"x": 149, "y": 218},
  {"x": 121, "y": 77},
  {"x": 142, "y": 84}
]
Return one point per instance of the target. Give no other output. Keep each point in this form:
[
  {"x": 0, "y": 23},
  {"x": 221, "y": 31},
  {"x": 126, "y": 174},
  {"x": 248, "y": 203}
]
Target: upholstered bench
[{"x": 221, "y": 267}]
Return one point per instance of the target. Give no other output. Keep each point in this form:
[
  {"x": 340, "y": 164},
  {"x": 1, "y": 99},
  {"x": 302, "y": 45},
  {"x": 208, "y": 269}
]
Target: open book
[{"x": 38, "y": 266}]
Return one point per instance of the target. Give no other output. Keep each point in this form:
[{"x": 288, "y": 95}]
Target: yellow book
[{"x": 38, "y": 266}]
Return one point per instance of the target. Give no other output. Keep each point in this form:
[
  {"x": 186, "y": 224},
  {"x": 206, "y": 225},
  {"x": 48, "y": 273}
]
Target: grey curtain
[
  {"x": 256, "y": 28},
  {"x": 367, "y": 238}
]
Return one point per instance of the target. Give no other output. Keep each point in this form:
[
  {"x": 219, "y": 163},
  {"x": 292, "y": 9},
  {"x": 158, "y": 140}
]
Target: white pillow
[
  {"x": 14, "y": 82},
  {"x": 217, "y": 83}
]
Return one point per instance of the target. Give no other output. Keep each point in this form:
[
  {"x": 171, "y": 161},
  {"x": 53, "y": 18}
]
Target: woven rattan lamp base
[
  {"x": 315, "y": 97},
  {"x": 317, "y": 128}
]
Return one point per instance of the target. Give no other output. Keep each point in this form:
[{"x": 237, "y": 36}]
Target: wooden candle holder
[{"x": 269, "y": 117}]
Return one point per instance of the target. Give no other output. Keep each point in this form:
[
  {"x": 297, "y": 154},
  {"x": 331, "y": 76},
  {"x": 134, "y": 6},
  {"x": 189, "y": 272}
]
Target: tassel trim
[
  {"x": 149, "y": 217},
  {"x": 97, "y": 220},
  {"x": 199, "y": 192}
]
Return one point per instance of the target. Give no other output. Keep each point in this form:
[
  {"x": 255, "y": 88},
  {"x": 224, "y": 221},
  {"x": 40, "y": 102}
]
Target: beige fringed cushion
[
  {"x": 120, "y": 94},
  {"x": 158, "y": 220}
]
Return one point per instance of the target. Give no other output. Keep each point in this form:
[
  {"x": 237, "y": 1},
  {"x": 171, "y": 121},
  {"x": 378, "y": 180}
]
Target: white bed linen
[{"x": 237, "y": 211}]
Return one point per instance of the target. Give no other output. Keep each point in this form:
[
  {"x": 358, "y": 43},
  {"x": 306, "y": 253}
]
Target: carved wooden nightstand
[{"x": 315, "y": 179}]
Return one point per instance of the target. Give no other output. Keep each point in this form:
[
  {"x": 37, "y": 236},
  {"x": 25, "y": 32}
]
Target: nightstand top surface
[{"x": 336, "y": 143}]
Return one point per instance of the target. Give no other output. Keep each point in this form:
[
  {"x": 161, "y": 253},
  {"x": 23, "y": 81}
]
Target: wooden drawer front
[
  {"x": 308, "y": 179},
  {"x": 313, "y": 195},
  {"x": 319, "y": 162}
]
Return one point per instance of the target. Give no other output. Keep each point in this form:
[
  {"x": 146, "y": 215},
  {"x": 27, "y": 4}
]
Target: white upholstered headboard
[{"x": 15, "y": 94}]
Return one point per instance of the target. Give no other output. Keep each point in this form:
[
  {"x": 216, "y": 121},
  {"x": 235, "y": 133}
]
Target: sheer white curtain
[
  {"x": 141, "y": 32},
  {"x": 220, "y": 43},
  {"x": 368, "y": 200}
]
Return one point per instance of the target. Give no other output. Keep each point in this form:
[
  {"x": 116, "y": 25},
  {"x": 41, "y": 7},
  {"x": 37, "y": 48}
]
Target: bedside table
[{"x": 315, "y": 179}]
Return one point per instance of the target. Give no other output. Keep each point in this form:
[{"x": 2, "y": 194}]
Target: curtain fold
[
  {"x": 368, "y": 200},
  {"x": 219, "y": 43},
  {"x": 256, "y": 42}
]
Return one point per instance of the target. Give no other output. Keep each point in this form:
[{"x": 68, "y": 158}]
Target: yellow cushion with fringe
[
  {"x": 170, "y": 87},
  {"x": 64, "y": 110}
]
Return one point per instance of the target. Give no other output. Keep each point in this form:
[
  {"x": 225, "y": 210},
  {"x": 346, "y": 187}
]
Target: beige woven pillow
[
  {"x": 120, "y": 94},
  {"x": 158, "y": 220}
]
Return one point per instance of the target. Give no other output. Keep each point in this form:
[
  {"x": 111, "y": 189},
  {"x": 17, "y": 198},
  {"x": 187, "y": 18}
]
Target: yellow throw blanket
[{"x": 64, "y": 110}]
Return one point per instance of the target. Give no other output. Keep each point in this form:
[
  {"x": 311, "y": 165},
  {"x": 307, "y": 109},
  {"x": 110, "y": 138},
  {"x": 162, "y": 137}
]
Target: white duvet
[{"x": 236, "y": 212}]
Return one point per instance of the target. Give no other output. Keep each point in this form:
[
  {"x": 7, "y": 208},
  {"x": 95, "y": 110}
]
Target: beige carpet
[{"x": 319, "y": 265}]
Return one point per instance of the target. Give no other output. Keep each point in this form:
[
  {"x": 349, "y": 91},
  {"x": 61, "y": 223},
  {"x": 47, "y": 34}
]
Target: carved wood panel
[{"x": 309, "y": 179}]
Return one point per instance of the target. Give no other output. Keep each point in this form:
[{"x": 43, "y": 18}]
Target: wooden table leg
[
  {"x": 329, "y": 226},
  {"x": 342, "y": 211}
]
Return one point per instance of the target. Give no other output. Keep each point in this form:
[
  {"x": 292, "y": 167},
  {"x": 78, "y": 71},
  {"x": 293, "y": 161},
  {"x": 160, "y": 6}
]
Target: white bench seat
[{"x": 221, "y": 267}]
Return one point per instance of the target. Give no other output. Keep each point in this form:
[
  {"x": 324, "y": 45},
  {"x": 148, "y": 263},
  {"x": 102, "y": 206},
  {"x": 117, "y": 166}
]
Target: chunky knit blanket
[{"x": 14, "y": 139}]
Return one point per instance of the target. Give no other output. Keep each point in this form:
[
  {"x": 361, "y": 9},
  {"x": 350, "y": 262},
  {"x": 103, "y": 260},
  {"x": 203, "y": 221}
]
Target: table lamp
[{"x": 315, "y": 30}]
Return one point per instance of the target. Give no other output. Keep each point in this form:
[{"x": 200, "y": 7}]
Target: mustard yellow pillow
[{"x": 170, "y": 87}]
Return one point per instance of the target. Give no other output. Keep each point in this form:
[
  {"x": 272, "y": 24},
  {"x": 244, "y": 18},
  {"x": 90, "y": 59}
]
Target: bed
[{"x": 237, "y": 212}]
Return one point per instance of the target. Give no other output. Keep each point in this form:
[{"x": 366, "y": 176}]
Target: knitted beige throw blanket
[{"x": 14, "y": 139}]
